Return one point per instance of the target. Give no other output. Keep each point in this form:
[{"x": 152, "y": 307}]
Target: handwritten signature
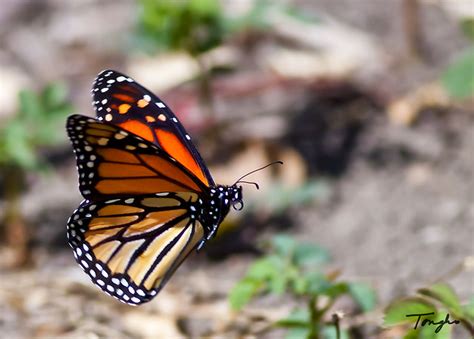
[{"x": 429, "y": 322}]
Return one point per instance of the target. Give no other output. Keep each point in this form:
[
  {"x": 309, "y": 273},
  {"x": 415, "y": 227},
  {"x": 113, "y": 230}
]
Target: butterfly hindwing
[
  {"x": 114, "y": 162},
  {"x": 130, "y": 247},
  {"x": 120, "y": 100}
]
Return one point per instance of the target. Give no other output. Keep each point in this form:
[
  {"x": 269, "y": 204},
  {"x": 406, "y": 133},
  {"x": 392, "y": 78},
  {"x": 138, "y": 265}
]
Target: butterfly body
[
  {"x": 213, "y": 211},
  {"x": 149, "y": 199}
]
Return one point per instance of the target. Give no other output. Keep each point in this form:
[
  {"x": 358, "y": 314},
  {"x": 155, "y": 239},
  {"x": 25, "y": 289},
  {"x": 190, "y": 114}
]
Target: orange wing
[
  {"x": 121, "y": 101},
  {"x": 114, "y": 162},
  {"x": 131, "y": 247}
]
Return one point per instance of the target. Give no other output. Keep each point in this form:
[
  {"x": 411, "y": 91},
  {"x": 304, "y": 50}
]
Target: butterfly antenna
[
  {"x": 249, "y": 182},
  {"x": 256, "y": 170}
]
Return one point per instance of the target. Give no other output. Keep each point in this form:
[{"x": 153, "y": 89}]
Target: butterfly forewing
[
  {"x": 118, "y": 99},
  {"x": 114, "y": 162},
  {"x": 130, "y": 247}
]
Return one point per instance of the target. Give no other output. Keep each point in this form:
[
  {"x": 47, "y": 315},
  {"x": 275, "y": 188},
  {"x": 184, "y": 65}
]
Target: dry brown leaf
[
  {"x": 404, "y": 111},
  {"x": 151, "y": 326}
]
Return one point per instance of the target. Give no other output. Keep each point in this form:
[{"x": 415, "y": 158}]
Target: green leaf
[
  {"x": 63, "y": 111},
  {"x": 278, "y": 283},
  {"x": 428, "y": 332},
  {"x": 412, "y": 334},
  {"x": 3, "y": 156},
  {"x": 446, "y": 296},
  {"x": 18, "y": 149},
  {"x": 30, "y": 105},
  {"x": 297, "y": 333},
  {"x": 284, "y": 245},
  {"x": 50, "y": 130},
  {"x": 467, "y": 26},
  {"x": 271, "y": 272},
  {"x": 364, "y": 295},
  {"x": 194, "y": 25},
  {"x": 39, "y": 122},
  {"x": 469, "y": 309},
  {"x": 300, "y": 285},
  {"x": 310, "y": 254},
  {"x": 265, "y": 268},
  {"x": 25, "y": 157},
  {"x": 204, "y": 7},
  {"x": 396, "y": 313},
  {"x": 329, "y": 332},
  {"x": 337, "y": 289},
  {"x": 242, "y": 292},
  {"x": 316, "y": 283},
  {"x": 458, "y": 78},
  {"x": 54, "y": 95},
  {"x": 297, "y": 318}
]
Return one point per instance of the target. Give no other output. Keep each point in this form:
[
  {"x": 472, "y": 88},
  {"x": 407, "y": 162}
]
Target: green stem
[
  {"x": 335, "y": 318},
  {"x": 314, "y": 318}
]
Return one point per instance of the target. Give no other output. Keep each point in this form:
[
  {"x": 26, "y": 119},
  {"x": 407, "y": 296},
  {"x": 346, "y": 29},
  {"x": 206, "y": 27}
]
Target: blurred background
[{"x": 369, "y": 104}]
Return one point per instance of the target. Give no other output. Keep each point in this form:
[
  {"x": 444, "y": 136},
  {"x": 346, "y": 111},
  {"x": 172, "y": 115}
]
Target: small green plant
[
  {"x": 194, "y": 26},
  {"x": 432, "y": 313},
  {"x": 38, "y": 123},
  {"x": 458, "y": 77},
  {"x": 296, "y": 269}
]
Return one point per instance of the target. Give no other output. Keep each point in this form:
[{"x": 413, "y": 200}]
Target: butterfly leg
[
  {"x": 201, "y": 244},
  {"x": 211, "y": 233}
]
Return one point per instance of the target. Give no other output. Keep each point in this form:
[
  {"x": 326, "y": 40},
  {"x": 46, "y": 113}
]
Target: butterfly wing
[
  {"x": 113, "y": 162},
  {"x": 141, "y": 176},
  {"x": 118, "y": 99},
  {"x": 130, "y": 247}
]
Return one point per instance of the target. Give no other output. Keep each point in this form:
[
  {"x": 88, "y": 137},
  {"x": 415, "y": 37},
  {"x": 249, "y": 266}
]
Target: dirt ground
[{"x": 404, "y": 212}]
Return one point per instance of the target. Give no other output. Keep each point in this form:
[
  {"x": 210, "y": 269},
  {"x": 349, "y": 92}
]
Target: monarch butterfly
[{"x": 149, "y": 199}]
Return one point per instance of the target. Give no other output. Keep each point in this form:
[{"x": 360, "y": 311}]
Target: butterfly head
[{"x": 236, "y": 197}]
